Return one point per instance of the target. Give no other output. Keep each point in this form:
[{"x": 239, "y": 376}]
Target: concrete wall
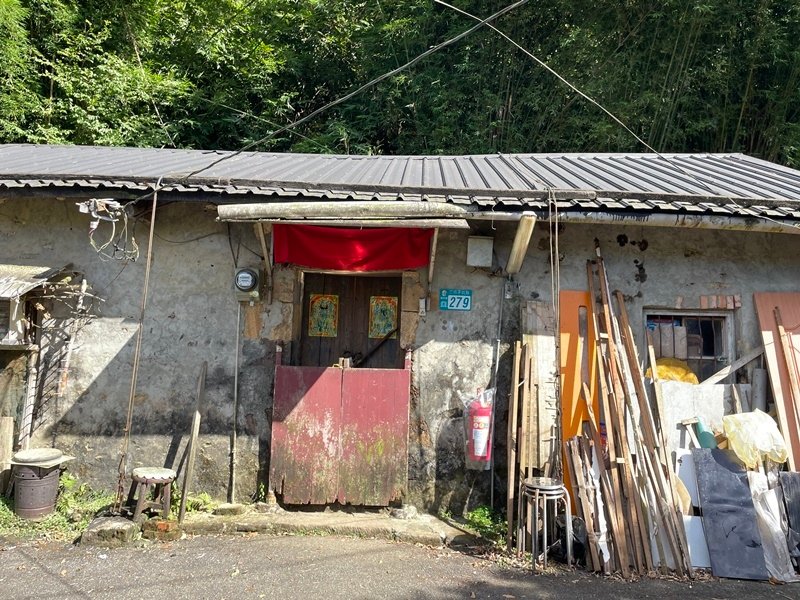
[
  {"x": 192, "y": 314},
  {"x": 191, "y": 317}
]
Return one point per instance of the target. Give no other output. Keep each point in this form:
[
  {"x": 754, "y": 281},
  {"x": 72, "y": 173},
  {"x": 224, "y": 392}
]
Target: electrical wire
[
  {"x": 364, "y": 87},
  {"x": 617, "y": 120},
  {"x": 555, "y": 285},
  {"x": 119, "y": 241},
  {"x": 123, "y": 459},
  {"x": 575, "y": 89},
  {"x": 481, "y": 22},
  {"x": 341, "y": 99}
]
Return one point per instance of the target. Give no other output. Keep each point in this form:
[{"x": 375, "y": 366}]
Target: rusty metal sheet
[
  {"x": 305, "y": 434},
  {"x": 374, "y": 462},
  {"x": 16, "y": 280}
]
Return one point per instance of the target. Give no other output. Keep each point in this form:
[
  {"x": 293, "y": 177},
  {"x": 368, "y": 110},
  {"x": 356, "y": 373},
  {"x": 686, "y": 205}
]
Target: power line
[
  {"x": 578, "y": 91},
  {"x": 613, "y": 117},
  {"x": 364, "y": 87},
  {"x": 346, "y": 97}
]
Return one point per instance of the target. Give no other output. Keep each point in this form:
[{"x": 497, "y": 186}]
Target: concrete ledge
[{"x": 424, "y": 529}]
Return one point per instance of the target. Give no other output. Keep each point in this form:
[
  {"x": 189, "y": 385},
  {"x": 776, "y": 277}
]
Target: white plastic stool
[{"x": 549, "y": 492}]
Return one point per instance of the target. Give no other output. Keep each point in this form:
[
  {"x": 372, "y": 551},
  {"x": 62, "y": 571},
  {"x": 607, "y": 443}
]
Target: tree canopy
[{"x": 684, "y": 75}]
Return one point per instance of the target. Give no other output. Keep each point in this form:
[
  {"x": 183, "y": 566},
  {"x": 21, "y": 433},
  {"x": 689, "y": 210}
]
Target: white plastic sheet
[{"x": 772, "y": 528}]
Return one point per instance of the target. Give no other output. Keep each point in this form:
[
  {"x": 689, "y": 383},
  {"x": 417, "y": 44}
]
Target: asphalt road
[{"x": 288, "y": 567}]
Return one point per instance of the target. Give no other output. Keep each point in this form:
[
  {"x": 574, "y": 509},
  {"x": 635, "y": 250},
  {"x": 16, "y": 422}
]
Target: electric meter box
[
  {"x": 479, "y": 251},
  {"x": 246, "y": 283}
]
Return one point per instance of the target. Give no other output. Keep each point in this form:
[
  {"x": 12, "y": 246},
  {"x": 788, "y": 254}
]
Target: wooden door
[
  {"x": 340, "y": 435},
  {"x": 306, "y": 422},
  {"x": 374, "y": 458},
  {"x": 349, "y": 316}
]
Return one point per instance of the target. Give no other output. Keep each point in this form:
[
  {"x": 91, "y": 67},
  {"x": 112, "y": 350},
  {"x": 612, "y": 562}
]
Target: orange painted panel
[
  {"x": 788, "y": 304},
  {"x": 578, "y": 366},
  {"x": 578, "y": 360}
]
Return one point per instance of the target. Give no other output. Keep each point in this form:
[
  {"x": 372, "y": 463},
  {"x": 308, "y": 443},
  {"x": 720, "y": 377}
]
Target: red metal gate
[{"x": 340, "y": 435}]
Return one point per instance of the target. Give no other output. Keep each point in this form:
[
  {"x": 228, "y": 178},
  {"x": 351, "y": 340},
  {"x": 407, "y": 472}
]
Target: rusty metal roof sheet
[
  {"x": 16, "y": 280},
  {"x": 711, "y": 184}
]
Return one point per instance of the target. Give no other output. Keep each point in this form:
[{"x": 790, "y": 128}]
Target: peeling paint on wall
[{"x": 191, "y": 318}]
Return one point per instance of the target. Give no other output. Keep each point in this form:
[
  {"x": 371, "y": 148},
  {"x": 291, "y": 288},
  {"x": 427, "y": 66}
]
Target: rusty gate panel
[
  {"x": 373, "y": 469},
  {"x": 306, "y": 429}
]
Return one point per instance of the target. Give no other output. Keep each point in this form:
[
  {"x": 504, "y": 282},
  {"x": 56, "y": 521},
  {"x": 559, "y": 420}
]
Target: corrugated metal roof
[
  {"x": 704, "y": 183},
  {"x": 16, "y": 280}
]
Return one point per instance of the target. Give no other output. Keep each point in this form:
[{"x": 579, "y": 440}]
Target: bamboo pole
[
  {"x": 189, "y": 473},
  {"x": 616, "y": 496},
  {"x": 511, "y": 515}
]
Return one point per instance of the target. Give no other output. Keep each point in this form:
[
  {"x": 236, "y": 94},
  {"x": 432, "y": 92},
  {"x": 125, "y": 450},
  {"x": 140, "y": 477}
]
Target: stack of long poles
[{"x": 621, "y": 476}]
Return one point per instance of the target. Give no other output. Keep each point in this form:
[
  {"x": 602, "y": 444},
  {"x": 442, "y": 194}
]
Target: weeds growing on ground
[
  {"x": 488, "y": 523},
  {"x": 201, "y": 502},
  {"x": 76, "y": 505}
]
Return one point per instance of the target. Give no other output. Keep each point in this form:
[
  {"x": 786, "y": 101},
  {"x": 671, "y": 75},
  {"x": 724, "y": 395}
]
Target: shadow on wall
[
  {"x": 458, "y": 489},
  {"x": 93, "y": 426}
]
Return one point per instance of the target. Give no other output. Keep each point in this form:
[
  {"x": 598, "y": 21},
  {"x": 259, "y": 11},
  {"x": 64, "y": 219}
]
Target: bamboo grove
[{"x": 685, "y": 75}]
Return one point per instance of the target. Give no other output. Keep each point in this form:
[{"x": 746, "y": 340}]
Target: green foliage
[
  {"x": 705, "y": 75},
  {"x": 487, "y": 523},
  {"x": 201, "y": 502},
  {"x": 76, "y": 505}
]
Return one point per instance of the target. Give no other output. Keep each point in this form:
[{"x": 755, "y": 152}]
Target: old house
[{"x": 346, "y": 306}]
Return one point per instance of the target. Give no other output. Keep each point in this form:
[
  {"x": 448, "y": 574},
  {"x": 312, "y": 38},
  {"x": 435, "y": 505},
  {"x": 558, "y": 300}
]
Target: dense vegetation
[{"x": 685, "y": 75}]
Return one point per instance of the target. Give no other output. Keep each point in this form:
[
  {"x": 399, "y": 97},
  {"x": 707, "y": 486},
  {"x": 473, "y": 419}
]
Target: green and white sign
[{"x": 455, "y": 299}]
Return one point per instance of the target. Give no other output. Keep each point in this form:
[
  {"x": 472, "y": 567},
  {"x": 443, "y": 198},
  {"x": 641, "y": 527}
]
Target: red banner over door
[{"x": 348, "y": 249}]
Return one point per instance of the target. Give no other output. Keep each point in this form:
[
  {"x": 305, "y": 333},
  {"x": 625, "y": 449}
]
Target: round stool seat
[
  {"x": 544, "y": 484},
  {"x": 153, "y": 475}
]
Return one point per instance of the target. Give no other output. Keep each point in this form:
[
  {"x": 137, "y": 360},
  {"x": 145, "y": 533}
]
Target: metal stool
[
  {"x": 550, "y": 491},
  {"x": 143, "y": 480}
]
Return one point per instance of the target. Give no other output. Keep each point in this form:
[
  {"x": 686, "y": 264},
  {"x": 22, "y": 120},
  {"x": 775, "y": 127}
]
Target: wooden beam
[
  {"x": 407, "y": 222},
  {"x": 259, "y": 227},
  {"x": 734, "y": 366},
  {"x": 187, "y": 477},
  {"x": 29, "y": 402},
  {"x": 432, "y": 263},
  {"x": 511, "y": 448},
  {"x": 342, "y": 210},
  {"x": 520, "y": 246},
  {"x": 618, "y": 517}
]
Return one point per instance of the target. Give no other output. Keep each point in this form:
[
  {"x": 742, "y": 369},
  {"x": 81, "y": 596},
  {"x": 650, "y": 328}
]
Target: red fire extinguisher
[{"x": 479, "y": 430}]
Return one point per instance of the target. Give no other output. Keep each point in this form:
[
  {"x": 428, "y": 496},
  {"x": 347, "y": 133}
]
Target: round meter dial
[{"x": 246, "y": 280}]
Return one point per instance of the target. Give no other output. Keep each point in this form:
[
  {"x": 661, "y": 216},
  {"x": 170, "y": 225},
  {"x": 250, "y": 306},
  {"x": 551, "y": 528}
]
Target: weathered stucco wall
[
  {"x": 192, "y": 314},
  {"x": 191, "y": 318},
  {"x": 652, "y": 267}
]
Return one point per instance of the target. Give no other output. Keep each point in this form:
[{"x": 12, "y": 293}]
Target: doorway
[
  {"x": 340, "y": 428},
  {"x": 355, "y": 317}
]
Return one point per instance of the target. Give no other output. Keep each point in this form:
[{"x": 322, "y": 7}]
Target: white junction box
[{"x": 479, "y": 251}]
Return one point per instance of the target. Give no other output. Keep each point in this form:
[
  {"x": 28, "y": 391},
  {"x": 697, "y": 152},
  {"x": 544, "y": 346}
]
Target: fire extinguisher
[{"x": 479, "y": 445}]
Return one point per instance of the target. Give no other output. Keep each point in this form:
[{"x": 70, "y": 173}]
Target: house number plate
[{"x": 455, "y": 299}]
